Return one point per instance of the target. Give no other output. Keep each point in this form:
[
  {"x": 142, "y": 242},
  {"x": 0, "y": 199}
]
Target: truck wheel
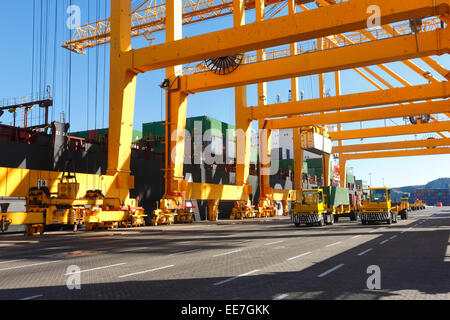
[
  {"x": 322, "y": 222},
  {"x": 389, "y": 220},
  {"x": 336, "y": 219},
  {"x": 364, "y": 222},
  {"x": 406, "y": 216},
  {"x": 332, "y": 219},
  {"x": 297, "y": 224}
]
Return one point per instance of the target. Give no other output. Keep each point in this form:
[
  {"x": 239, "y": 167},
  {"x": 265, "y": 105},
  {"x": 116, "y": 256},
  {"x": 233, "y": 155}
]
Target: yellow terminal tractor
[
  {"x": 322, "y": 206},
  {"x": 377, "y": 206},
  {"x": 403, "y": 208}
]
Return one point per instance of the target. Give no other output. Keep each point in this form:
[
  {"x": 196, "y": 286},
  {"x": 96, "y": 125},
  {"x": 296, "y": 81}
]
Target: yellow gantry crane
[{"x": 339, "y": 29}]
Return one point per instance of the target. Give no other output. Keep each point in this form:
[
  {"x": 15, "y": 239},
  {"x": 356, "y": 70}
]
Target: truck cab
[
  {"x": 312, "y": 209},
  {"x": 377, "y": 206}
]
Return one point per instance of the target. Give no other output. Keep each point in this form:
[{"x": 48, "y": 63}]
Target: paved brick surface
[{"x": 253, "y": 259}]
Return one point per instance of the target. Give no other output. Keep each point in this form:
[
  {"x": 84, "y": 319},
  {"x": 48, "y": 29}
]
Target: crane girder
[
  {"x": 397, "y": 153},
  {"x": 428, "y": 143},
  {"x": 390, "y": 131}
]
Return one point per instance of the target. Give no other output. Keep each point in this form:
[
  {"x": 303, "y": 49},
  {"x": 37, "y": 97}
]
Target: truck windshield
[
  {"x": 365, "y": 196},
  {"x": 378, "y": 195},
  {"x": 312, "y": 197}
]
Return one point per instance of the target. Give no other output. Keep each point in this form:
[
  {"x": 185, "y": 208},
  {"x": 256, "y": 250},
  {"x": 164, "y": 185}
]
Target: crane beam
[
  {"x": 325, "y": 21},
  {"x": 352, "y": 101},
  {"x": 390, "y": 131},
  {"x": 428, "y": 143},
  {"x": 360, "y": 115},
  {"x": 364, "y": 54},
  {"x": 394, "y": 154}
]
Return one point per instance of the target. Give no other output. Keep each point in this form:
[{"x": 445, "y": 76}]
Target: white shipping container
[{"x": 316, "y": 143}]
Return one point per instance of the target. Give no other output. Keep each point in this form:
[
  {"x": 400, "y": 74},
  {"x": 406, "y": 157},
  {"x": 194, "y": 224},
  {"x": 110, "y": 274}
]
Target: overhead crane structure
[
  {"x": 342, "y": 42},
  {"x": 334, "y": 19}
]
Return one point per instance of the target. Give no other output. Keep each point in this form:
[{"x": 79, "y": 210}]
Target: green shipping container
[
  {"x": 336, "y": 196},
  {"x": 216, "y": 128},
  {"x": 100, "y": 135},
  {"x": 314, "y": 163}
]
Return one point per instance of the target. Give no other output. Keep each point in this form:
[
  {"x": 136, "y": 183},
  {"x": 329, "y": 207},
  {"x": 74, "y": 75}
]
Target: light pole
[{"x": 370, "y": 179}]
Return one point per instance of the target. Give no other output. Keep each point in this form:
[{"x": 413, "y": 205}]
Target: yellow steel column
[
  {"x": 343, "y": 170},
  {"x": 326, "y": 169},
  {"x": 337, "y": 78},
  {"x": 298, "y": 151},
  {"x": 265, "y": 137},
  {"x": 213, "y": 210},
  {"x": 122, "y": 97},
  {"x": 176, "y": 106},
  {"x": 243, "y": 123}
]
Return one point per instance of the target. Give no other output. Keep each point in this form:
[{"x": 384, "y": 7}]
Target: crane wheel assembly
[
  {"x": 94, "y": 210},
  {"x": 242, "y": 211}
]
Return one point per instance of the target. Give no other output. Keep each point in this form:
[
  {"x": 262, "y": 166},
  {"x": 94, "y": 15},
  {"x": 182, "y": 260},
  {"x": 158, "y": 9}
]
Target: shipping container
[{"x": 337, "y": 196}]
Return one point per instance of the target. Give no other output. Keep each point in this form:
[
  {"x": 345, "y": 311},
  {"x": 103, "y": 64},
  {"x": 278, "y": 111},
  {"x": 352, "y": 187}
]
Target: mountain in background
[{"x": 438, "y": 184}]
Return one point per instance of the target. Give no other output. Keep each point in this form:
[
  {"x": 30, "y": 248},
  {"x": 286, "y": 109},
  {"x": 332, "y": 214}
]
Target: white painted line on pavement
[
  {"x": 333, "y": 244},
  {"x": 268, "y": 244},
  {"x": 181, "y": 252},
  {"x": 146, "y": 271},
  {"x": 19, "y": 241},
  {"x": 98, "y": 268},
  {"x": 384, "y": 241},
  {"x": 30, "y": 265},
  {"x": 234, "y": 278},
  {"x": 134, "y": 249},
  {"x": 11, "y": 261},
  {"x": 33, "y": 297},
  {"x": 377, "y": 229},
  {"x": 227, "y": 253},
  {"x": 301, "y": 255},
  {"x": 281, "y": 297},
  {"x": 364, "y": 252},
  {"x": 57, "y": 248},
  {"x": 393, "y": 237},
  {"x": 330, "y": 271},
  {"x": 357, "y": 236}
]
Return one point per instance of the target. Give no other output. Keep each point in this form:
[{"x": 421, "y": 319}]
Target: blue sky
[{"x": 86, "y": 112}]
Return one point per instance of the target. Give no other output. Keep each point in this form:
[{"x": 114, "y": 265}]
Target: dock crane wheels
[{"x": 225, "y": 65}]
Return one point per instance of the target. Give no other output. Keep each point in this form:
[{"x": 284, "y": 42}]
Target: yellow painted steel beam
[
  {"x": 206, "y": 191},
  {"x": 106, "y": 216},
  {"x": 284, "y": 195},
  {"x": 325, "y": 21},
  {"x": 352, "y": 101},
  {"x": 243, "y": 123},
  {"x": 407, "y": 85},
  {"x": 428, "y": 143},
  {"x": 16, "y": 182},
  {"x": 361, "y": 115},
  {"x": 122, "y": 98},
  {"x": 390, "y": 131},
  {"x": 18, "y": 218},
  {"x": 438, "y": 67},
  {"x": 364, "y": 54},
  {"x": 393, "y": 154}
]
